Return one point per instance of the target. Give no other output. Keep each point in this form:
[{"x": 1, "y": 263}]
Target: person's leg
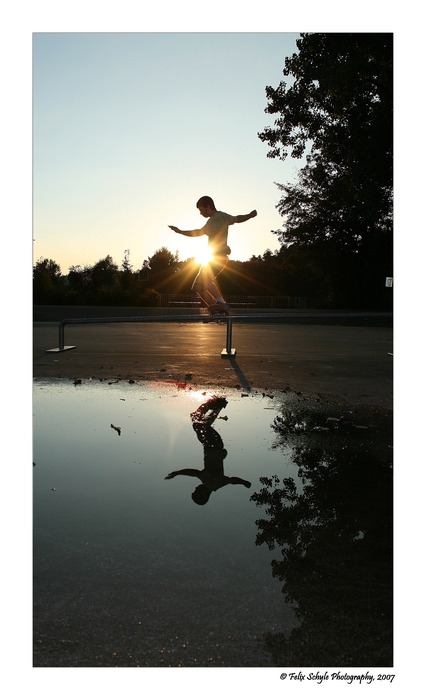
[
  {"x": 212, "y": 287},
  {"x": 201, "y": 286},
  {"x": 217, "y": 266},
  {"x": 206, "y": 284}
]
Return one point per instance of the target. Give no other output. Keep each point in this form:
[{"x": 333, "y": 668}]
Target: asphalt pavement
[{"x": 346, "y": 355}]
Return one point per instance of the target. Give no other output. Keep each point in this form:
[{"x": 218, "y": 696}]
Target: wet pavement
[
  {"x": 332, "y": 537},
  {"x": 349, "y": 357},
  {"x": 282, "y": 558}
]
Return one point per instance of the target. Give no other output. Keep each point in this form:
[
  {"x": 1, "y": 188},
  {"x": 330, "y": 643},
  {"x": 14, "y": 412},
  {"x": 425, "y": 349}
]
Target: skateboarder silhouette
[
  {"x": 216, "y": 229},
  {"x": 212, "y": 477}
]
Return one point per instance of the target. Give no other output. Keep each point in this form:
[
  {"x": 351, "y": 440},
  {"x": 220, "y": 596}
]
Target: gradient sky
[{"x": 131, "y": 129}]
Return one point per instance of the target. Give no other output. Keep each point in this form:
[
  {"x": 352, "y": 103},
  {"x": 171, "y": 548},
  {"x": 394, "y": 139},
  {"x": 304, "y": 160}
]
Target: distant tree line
[
  {"x": 105, "y": 283},
  {"x": 101, "y": 284},
  {"x": 291, "y": 271}
]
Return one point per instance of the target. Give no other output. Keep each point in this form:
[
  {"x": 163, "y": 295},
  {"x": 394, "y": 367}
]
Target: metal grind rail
[{"x": 228, "y": 351}]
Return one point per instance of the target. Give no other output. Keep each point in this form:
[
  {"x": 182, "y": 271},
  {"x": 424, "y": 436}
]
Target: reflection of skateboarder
[
  {"x": 216, "y": 229},
  {"x": 212, "y": 477}
]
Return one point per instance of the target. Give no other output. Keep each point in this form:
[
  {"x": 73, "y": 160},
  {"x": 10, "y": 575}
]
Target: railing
[
  {"x": 228, "y": 351},
  {"x": 244, "y": 301}
]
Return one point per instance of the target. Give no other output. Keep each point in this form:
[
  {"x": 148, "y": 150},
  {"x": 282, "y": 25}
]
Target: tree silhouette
[
  {"x": 164, "y": 266},
  {"x": 338, "y": 113},
  {"x": 334, "y": 533},
  {"x": 48, "y": 283}
]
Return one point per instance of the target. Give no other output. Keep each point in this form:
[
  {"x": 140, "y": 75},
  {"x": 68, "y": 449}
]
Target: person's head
[
  {"x": 206, "y": 206},
  {"x": 201, "y": 495}
]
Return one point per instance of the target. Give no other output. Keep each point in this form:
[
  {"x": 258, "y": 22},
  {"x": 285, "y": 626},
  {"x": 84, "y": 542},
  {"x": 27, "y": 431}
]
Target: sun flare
[{"x": 203, "y": 257}]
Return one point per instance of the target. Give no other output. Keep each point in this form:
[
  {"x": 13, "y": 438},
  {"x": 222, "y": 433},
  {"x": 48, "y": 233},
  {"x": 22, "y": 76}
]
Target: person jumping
[
  {"x": 216, "y": 229},
  {"x": 212, "y": 476}
]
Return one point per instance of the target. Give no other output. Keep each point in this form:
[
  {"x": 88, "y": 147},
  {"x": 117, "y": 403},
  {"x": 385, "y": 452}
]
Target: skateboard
[{"x": 217, "y": 310}]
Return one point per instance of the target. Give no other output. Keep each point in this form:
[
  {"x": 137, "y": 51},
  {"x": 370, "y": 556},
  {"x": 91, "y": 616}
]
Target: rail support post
[
  {"x": 228, "y": 351},
  {"x": 61, "y": 347}
]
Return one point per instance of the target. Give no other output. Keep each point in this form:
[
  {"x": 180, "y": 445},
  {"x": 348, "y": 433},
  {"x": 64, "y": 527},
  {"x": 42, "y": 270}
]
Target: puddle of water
[
  {"x": 130, "y": 571},
  {"x": 333, "y": 536}
]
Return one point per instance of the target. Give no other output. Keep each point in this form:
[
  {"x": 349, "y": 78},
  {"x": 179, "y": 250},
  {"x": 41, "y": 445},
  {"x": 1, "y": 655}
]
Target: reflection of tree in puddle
[
  {"x": 334, "y": 530},
  {"x": 212, "y": 477}
]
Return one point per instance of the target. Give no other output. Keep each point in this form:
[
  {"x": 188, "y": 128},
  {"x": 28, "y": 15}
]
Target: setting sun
[{"x": 203, "y": 257}]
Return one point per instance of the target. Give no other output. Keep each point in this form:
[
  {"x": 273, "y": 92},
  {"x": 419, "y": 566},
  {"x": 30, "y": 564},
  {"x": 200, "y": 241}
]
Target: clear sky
[{"x": 130, "y": 129}]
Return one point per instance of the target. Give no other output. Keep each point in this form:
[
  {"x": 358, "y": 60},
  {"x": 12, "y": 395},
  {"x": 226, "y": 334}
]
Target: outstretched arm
[
  {"x": 237, "y": 480},
  {"x": 185, "y": 472},
  {"x": 194, "y": 232},
  {"x": 245, "y": 217}
]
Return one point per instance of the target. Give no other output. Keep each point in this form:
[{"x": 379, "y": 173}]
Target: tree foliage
[
  {"x": 338, "y": 114},
  {"x": 331, "y": 534},
  {"x": 47, "y": 280},
  {"x": 164, "y": 267},
  {"x": 99, "y": 284},
  {"x": 293, "y": 271}
]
